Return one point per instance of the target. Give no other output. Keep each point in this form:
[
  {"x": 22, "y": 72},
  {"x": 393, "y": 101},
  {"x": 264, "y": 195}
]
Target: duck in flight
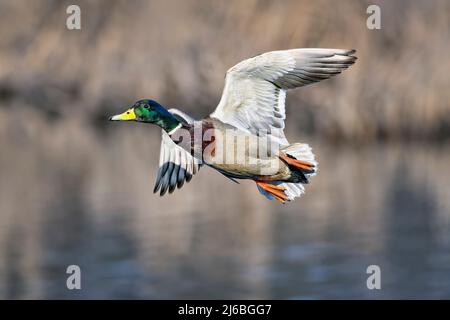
[{"x": 246, "y": 129}]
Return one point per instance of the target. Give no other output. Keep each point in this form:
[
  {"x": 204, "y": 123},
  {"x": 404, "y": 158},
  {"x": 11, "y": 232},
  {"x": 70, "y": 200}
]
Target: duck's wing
[
  {"x": 176, "y": 165},
  {"x": 253, "y": 98}
]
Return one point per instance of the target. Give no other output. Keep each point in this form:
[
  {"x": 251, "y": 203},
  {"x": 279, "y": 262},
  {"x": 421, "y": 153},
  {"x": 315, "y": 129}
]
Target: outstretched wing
[
  {"x": 176, "y": 165},
  {"x": 253, "y": 98}
]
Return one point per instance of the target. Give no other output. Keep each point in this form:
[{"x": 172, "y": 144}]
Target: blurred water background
[{"x": 76, "y": 189}]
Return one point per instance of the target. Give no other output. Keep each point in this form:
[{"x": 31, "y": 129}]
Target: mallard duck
[{"x": 248, "y": 124}]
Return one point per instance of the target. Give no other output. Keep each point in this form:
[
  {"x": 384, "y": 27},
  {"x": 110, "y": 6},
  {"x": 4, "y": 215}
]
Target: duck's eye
[{"x": 146, "y": 107}]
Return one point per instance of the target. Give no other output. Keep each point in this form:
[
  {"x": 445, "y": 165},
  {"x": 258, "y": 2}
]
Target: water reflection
[{"x": 88, "y": 201}]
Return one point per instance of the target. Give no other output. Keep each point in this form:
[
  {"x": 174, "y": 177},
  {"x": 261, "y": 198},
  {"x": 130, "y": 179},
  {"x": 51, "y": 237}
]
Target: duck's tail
[
  {"x": 303, "y": 165},
  {"x": 300, "y": 158}
]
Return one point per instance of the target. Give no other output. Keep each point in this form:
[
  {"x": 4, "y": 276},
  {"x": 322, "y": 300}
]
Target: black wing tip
[
  {"x": 351, "y": 55},
  {"x": 157, "y": 186}
]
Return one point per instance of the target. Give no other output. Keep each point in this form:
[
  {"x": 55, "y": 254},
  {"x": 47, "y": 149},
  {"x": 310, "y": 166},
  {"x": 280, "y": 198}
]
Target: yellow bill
[{"x": 126, "y": 116}]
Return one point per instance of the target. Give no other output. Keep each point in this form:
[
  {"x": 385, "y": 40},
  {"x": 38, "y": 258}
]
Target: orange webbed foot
[
  {"x": 276, "y": 191},
  {"x": 305, "y": 166}
]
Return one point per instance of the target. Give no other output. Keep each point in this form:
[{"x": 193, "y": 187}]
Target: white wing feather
[
  {"x": 253, "y": 98},
  {"x": 176, "y": 165}
]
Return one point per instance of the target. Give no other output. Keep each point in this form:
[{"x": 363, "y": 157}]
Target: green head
[{"x": 148, "y": 111}]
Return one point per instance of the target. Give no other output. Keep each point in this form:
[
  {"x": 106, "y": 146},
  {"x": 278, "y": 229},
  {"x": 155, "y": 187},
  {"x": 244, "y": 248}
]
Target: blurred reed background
[{"x": 76, "y": 189}]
